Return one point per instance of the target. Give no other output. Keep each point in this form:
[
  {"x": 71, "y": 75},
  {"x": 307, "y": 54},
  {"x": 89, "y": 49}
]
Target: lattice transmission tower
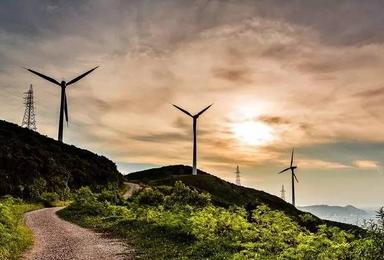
[
  {"x": 237, "y": 172},
  {"x": 29, "y": 118},
  {"x": 282, "y": 192}
]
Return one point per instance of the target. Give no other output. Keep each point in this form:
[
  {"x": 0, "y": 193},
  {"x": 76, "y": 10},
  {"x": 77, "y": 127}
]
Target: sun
[{"x": 253, "y": 133}]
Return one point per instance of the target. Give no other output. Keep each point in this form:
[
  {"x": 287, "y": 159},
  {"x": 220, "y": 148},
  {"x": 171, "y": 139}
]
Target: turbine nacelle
[{"x": 196, "y": 116}]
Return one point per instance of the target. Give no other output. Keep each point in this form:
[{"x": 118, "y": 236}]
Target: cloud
[
  {"x": 232, "y": 74},
  {"x": 364, "y": 164},
  {"x": 319, "y": 164},
  {"x": 273, "y": 119},
  {"x": 371, "y": 93},
  {"x": 313, "y": 77}
]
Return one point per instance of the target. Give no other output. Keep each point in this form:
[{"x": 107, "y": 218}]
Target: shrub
[
  {"x": 37, "y": 188},
  {"x": 150, "y": 196},
  {"x": 85, "y": 202},
  {"x": 374, "y": 244},
  {"x": 182, "y": 223},
  {"x": 15, "y": 237},
  {"x": 112, "y": 196},
  {"x": 184, "y": 195},
  {"x": 49, "y": 199}
]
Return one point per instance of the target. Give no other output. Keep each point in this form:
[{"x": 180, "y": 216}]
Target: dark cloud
[
  {"x": 235, "y": 75},
  {"x": 345, "y": 152},
  {"x": 371, "y": 93},
  {"x": 181, "y": 123},
  {"x": 343, "y": 22},
  {"x": 164, "y": 138},
  {"x": 273, "y": 119},
  {"x": 281, "y": 51},
  {"x": 371, "y": 101},
  {"x": 338, "y": 61}
]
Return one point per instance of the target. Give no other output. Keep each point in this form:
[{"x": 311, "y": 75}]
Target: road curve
[
  {"x": 132, "y": 188},
  {"x": 55, "y": 238}
]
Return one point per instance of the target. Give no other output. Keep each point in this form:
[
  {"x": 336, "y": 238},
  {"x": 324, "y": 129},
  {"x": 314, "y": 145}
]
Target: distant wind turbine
[
  {"x": 293, "y": 176},
  {"x": 194, "y": 117},
  {"x": 63, "y": 102}
]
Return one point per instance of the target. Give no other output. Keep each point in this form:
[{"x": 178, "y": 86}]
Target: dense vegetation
[
  {"x": 31, "y": 164},
  {"x": 227, "y": 194},
  {"x": 15, "y": 237},
  {"x": 168, "y": 222}
]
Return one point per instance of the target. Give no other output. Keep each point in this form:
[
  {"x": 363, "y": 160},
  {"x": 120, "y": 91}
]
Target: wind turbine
[
  {"x": 63, "y": 102},
  {"x": 293, "y": 176},
  {"x": 194, "y": 117}
]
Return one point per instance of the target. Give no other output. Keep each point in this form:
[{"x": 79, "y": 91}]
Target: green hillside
[
  {"x": 226, "y": 194},
  {"x": 31, "y": 163}
]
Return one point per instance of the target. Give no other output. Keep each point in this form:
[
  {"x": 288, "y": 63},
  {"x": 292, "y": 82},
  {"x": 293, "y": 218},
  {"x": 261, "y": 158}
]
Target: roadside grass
[
  {"x": 180, "y": 223},
  {"x": 61, "y": 203},
  {"x": 15, "y": 236}
]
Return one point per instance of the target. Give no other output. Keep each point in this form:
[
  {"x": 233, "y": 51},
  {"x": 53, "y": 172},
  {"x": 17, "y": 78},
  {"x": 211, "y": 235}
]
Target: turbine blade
[
  {"x": 293, "y": 150},
  {"x": 81, "y": 76},
  {"x": 66, "y": 108},
  {"x": 43, "y": 76},
  {"x": 284, "y": 170},
  {"x": 202, "y": 111},
  {"x": 182, "y": 110},
  {"x": 294, "y": 175}
]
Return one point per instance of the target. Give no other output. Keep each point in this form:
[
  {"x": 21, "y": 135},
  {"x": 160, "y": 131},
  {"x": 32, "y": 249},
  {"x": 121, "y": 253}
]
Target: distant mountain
[
  {"x": 225, "y": 193},
  {"x": 348, "y": 214},
  {"x": 31, "y": 163}
]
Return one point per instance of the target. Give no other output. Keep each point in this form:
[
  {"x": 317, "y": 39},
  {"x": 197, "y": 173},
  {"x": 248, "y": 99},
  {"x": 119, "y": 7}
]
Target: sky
[{"x": 280, "y": 74}]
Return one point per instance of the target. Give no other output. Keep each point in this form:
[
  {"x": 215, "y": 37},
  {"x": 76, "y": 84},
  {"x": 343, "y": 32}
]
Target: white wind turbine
[{"x": 194, "y": 117}]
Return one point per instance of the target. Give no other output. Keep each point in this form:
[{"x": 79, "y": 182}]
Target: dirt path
[
  {"x": 55, "y": 238},
  {"x": 132, "y": 188}
]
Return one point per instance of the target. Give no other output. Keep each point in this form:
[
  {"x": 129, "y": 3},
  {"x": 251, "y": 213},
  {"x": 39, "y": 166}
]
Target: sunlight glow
[{"x": 253, "y": 133}]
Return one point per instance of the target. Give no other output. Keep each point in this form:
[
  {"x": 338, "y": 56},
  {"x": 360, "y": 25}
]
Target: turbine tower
[
  {"x": 63, "y": 100},
  {"x": 194, "y": 117},
  {"x": 237, "y": 172},
  {"x": 293, "y": 177},
  {"x": 29, "y": 118},
  {"x": 282, "y": 192}
]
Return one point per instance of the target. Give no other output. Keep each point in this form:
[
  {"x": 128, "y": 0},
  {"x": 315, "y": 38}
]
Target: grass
[
  {"x": 15, "y": 236},
  {"x": 61, "y": 203},
  {"x": 227, "y": 194},
  {"x": 180, "y": 223}
]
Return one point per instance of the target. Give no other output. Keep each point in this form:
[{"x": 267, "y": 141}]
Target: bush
[
  {"x": 184, "y": 195},
  {"x": 180, "y": 222},
  {"x": 49, "y": 199},
  {"x": 374, "y": 244},
  {"x": 85, "y": 202},
  {"x": 111, "y": 196},
  {"x": 37, "y": 188},
  {"x": 15, "y": 237},
  {"x": 150, "y": 196}
]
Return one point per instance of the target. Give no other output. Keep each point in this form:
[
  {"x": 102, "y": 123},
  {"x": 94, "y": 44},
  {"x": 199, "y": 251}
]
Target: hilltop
[
  {"x": 227, "y": 194},
  {"x": 31, "y": 163},
  {"x": 347, "y": 214},
  {"x": 334, "y": 210}
]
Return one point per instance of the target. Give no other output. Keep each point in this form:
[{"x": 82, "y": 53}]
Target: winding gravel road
[
  {"x": 55, "y": 238},
  {"x": 132, "y": 188}
]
